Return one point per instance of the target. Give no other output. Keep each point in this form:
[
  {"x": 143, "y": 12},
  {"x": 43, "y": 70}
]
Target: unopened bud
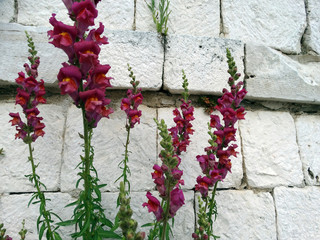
[{"x": 164, "y": 167}]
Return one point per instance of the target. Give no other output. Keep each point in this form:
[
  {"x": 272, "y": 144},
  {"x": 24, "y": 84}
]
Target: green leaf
[
  {"x": 57, "y": 236},
  {"x": 66, "y": 223},
  {"x": 108, "y": 234},
  {"x": 106, "y": 222},
  {"x": 43, "y": 227},
  {"x": 148, "y": 225}
]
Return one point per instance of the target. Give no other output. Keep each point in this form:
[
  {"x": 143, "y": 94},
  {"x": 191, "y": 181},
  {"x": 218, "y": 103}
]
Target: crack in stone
[
  {"x": 222, "y": 30},
  {"x": 304, "y": 45},
  {"x": 276, "y": 214},
  {"x": 16, "y": 10},
  {"x": 134, "y": 25},
  {"x": 244, "y": 180}
]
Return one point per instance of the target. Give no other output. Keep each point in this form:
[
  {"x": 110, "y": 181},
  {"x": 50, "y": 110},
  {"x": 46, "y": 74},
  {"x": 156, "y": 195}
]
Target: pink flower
[
  {"x": 63, "y": 36},
  {"x": 95, "y": 35},
  {"x": 95, "y": 105},
  {"x": 85, "y": 12},
  {"x": 97, "y": 77},
  {"x": 154, "y": 206},
  {"x": 176, "y": 201},
  {"x": 69, "y": 80},
  {"x": 87, "y": 53},
  {"x": 203, "y": 184}
]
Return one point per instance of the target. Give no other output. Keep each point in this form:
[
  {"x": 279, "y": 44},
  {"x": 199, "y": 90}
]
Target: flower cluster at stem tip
[
  {"x": 216, "y": 163},
  {"x": 131, "y": 103},
  {"x": 30, "y": 93},
  {"x": 167, "y": 177},
  {"x": 83, "y": 77}
]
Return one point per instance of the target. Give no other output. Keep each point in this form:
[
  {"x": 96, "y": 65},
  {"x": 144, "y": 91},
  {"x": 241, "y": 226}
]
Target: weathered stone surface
[
  {"x": 108, "y": 141},
  {"x": 275, "y": 76},
  {"x": 297, "y": 213},
  {"x": 114, "y": 14},
  {"x": 245, "y": 215},
  {"x": 204, "y": 61},
  {"x": 6, "y": 10},
  {"x": 278, "y": 24},
  {"x": 144, "y": 53},
  {"x": 14, "y": 164},
  {"x": 270, "y": 150},
  {"x": 312, "y": 35},
  {"x": 308, "y": 132},
  {"x": 199, "y": 140},
  {"x": 43, "y": 10},
  {"x": 14, "y": 209},
  {"x": 198, "y": 18},
  {"x": 13, "y": 43}
]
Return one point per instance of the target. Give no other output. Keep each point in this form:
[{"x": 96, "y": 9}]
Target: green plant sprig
[
  {"x": 88, "y": 215},
  {"x": 160, "y": 15}
]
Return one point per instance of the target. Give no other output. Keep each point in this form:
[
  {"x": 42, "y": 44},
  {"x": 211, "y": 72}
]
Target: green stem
[
  {"x": 166, "y": 215},
  {"x": 86, "y": 173},
  {"x": 211, "y": 206},
  {"x": 126, "y": 158},
  {"x": 40, "y": 194}
]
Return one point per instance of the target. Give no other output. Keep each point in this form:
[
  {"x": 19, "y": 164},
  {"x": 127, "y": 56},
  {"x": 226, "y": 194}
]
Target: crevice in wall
[
  {"x": 244, "y": 180},
  {"x": 134, "y": 26},
  {"x": 245, "y": 77},
  {"x": 222, "y": 30},
  {"x": 276, "y": 214},
  {"x": 64, "y": 130},
  {"x": 304, "y": 38},
  {"x": 16, "y": 10},
  {"x": 164, "y": 44},
  {"x": 22, "y": 193},
  {"x": 299, "y": 152},
  {"x": 195, "y": 210}
]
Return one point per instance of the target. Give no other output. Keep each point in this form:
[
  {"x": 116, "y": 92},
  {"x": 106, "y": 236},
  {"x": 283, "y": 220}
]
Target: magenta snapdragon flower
[
  {"x": 30, "y": 93},
  {"x": 84, "y": 78},
  {"x": 131, "y": 103},
  {"x": 168, "y": 176},
  {"x": 216, "y": 163}
]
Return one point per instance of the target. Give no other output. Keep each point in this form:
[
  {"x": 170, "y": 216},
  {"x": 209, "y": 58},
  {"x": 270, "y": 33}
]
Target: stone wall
[{"x": 273, "y": 191}]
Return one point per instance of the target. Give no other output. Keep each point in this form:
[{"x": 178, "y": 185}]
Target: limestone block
[
  {"x": 13, "y": 43},
  {"x": 308, "y": 132},
  {"x": 245, "y": 215},
  {"x": 6, "y": 11},
  {"x": 199, "y": 140},
  {"x": 275, "y": 76},
  {"x": 117, "y": 15},
  {"x": 312, "y": 35},
  {"x": 144, "y": 53},
  {"x": 14, "y": 164},
  {"x": 38, "y": 14},
  {"x": 270, "y": 150},
  {"x": 14, "y": 208},
  {"x": 108, "y": 141},
  {"x": 114, "y": 14},
  {"x": 204, "y": 61},
  {"x": 298, "y": 214},
  {"x": 278, "y": 24},
  {"x": 198, "y": 18}
]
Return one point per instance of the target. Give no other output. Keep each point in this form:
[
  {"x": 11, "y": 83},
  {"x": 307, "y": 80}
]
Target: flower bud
[
  {"x": 164, "y": 167},
  {"x": 195, "y": 236},
  {"x": 140, "y": 236}
]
